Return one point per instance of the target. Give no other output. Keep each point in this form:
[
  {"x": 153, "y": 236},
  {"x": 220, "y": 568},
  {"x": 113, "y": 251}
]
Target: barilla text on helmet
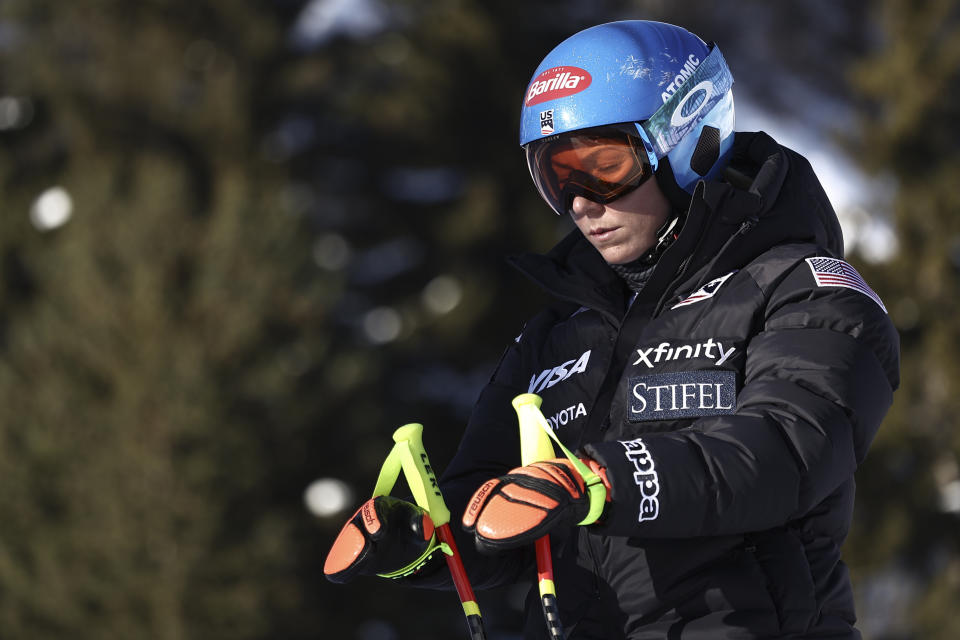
[{"x": 557, "y": 82}]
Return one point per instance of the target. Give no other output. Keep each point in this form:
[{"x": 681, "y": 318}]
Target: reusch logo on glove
[
  {"x": 473, "y": 509},
  {"x": 370, "y": 519},
  {"x": 557, "y": 82}
]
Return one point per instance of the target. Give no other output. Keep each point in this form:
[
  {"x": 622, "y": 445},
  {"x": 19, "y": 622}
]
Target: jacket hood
[
  {"x": 783, "y": 203},
  {"x": 777, "y": 199}
]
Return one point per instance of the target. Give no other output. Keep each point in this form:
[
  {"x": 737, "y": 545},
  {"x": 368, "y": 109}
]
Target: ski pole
[
  {"x": 535, "y": 446},
  {"x": 409, "y": 456}
]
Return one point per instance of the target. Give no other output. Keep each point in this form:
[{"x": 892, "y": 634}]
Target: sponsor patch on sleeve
[
  {"x": 832, "y": 272},
  {"x": 687, "y": 394},
  {"x": 645, "y": 477}
]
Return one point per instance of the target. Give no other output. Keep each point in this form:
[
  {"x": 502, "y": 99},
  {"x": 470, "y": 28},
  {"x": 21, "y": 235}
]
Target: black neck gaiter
[{"x": 635, "y": 274}]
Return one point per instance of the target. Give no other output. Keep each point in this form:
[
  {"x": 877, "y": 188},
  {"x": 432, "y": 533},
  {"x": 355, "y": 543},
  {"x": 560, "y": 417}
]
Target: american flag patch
[{"x": 831, "y": 272}]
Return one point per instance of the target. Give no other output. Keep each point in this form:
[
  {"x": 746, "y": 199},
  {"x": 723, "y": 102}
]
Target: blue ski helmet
[{"x": 668, "y": 85}]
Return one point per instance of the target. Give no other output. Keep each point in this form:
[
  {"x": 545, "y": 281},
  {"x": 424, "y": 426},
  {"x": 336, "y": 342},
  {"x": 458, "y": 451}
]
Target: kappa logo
[
  {"x": 645, "y": 477},
  {"x": 665, "y": 351},
  {"x": 706, "y": 291},
  {"x": 549, "y": 377},
  {"x": 688, "y": 394}
]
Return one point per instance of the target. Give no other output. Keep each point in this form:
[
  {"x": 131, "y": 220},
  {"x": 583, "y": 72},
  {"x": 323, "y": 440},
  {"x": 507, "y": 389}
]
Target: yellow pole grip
[
  {"x": 419, "y": 473},
  {"x": 535, "y": 444}
]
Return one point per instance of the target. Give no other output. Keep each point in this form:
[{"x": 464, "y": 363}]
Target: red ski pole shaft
[
  {"x": 423, "y": 483},
  {"x": 535, "y": 446},
  {"x": 459, "y": 574}
]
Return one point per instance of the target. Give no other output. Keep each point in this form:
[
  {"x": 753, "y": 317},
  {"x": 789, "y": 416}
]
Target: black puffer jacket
[{"x": 730, "y": 402}]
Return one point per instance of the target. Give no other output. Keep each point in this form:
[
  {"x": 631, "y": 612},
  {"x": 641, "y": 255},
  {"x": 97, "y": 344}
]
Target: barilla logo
[{"x": 557, "y": 82}]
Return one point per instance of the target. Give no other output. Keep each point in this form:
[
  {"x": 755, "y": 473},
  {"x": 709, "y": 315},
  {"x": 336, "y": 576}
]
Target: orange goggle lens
[{"x": 600, "y": 165}]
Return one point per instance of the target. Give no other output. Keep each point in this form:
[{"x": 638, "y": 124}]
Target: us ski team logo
[
  {"x": 706, "y": 291},
  {"x": 546, "y": 122}
]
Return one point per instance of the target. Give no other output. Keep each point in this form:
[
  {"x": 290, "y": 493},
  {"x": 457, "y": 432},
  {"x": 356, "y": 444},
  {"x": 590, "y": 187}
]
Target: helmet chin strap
[
  {"x": 679, "y": 203},
  {"x": 636, "y": 273},
  {"x": 666, "y": 235}
]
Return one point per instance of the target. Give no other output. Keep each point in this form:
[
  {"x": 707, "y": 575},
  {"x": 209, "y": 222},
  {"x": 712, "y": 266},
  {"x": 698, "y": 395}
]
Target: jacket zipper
[{"x": 745, "y": 227}]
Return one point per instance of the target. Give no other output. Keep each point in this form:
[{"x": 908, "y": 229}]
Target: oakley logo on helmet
[
  {"x": 692, "y": 103},
  {"x": 688, "y": 68},
  {"x": 557, "y": 82}
]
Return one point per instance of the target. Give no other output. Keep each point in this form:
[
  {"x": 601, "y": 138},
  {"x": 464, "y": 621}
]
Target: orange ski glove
[
  {"x": 388, "y": 537},
  {"x": 520, "y": 507}
]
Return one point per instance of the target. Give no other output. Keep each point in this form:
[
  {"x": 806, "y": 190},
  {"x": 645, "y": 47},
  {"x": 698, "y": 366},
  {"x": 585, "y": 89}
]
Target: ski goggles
[{"x": 600, "y": 164}]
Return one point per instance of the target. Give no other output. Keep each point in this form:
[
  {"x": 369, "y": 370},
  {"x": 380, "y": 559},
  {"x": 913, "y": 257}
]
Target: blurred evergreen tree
[
  {"x": 150, "y": 348},
  {"x": 908, "y": 514}
]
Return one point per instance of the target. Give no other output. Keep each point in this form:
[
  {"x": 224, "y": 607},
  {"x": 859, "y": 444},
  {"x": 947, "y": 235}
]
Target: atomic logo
[{"x": 688, "y": 68}]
